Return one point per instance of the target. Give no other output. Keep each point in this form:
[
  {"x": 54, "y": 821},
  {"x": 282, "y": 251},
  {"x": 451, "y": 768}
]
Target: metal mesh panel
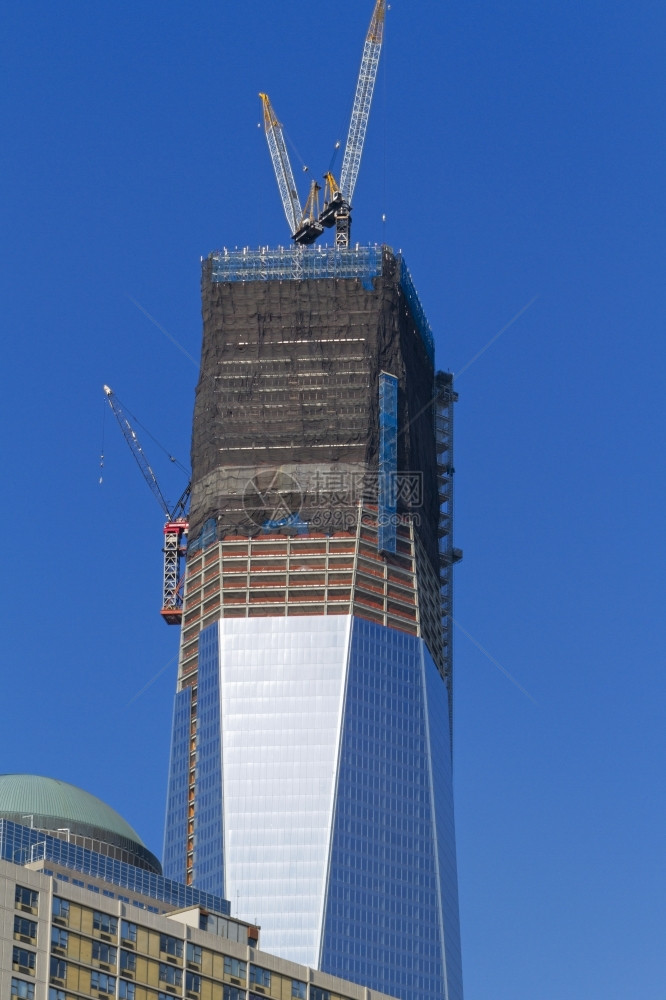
[
  {"x": 295, "y": 263},
  {"x": 388, "y": 461},
  {"x": 419, "y": 315}
]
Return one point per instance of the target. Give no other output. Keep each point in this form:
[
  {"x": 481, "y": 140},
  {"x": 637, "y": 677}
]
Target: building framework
[{"x": 310, "y": 776}]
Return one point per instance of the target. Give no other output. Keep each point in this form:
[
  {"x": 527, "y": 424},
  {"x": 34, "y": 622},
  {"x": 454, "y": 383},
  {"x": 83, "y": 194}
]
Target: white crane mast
[
  {"x": 362, "y": 102},
  {"x": 282, "y": 166}
]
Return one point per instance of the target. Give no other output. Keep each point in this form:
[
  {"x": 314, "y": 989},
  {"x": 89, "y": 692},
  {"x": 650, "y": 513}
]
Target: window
[
  {"x": 193, "y": 953},
  {"x": 24, "y": 958},
  {"x": 58, "y": 968},
  {"x": 128, "y": 931},
  {"x": 60, "y": 908},
  {"x": 171, "y": 945},
  {"x": 22, "y": 989},
  {"x": 316, "y": 993},
  {"x": 170, "y": 975},
  {"x": 128, "y": 961},
  {"x": 55, "y": 994},
  {"x": 25, "y": 928},
  {"x": 102, "y": 982},
  {"x": 259, "y": 976},
  {"x": 103, "y": 952},
  {"x": 126, "y": 991},
  {"x": 233, "y": 993},
  {"x": 234, "y": 967},
  {"x": 297, "y": 989},
  {"x": 104, "y": 923},
  {"x": 192, "y": 982},
  {"x": 26, "y": 897},
  {"x": 59, "y": 937}
]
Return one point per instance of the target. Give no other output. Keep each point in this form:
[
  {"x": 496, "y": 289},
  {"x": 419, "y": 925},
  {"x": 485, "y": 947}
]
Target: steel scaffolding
[
  {"x": 445, "y": 397},
  {"x": 295, "y": 263}
]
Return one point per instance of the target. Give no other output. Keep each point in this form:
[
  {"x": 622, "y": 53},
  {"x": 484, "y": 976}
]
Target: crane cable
[
  {"x": 153, "y": 438},
  {"x": 101, "y": 457}
]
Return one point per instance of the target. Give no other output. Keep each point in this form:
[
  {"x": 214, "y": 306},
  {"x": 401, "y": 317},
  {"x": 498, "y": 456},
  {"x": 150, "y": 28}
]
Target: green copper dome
[
  {"x": 26, "y": 795},
  {"x": 48, "y": 804}
]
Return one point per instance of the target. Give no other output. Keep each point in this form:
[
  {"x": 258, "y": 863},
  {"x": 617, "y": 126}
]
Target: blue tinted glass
[
  {"x": 21, "y": 845},
  {"x": 208, "y": 867},
  {"x": 442, "y": 779},
  {"x": 383, "y": 923},
  {"x": 175, "y": 835}
]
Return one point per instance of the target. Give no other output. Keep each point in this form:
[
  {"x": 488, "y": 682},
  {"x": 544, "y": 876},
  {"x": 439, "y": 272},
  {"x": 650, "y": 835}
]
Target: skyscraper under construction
[{"x": 310, "y": 774}]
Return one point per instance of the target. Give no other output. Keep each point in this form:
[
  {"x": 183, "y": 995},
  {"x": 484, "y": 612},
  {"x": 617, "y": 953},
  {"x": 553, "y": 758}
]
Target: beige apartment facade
[{"x": 66, "y": 941}]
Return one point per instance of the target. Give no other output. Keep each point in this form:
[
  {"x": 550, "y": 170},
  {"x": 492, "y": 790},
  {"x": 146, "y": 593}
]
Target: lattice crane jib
[
  {"x": 362, "y": 102},
  {"x": 282, "y": 166},
  {"x": 176, "y": 525}
]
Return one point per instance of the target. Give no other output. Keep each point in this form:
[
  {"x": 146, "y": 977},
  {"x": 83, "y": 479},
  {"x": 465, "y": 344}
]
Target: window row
[{"x": 103, "y": 982}]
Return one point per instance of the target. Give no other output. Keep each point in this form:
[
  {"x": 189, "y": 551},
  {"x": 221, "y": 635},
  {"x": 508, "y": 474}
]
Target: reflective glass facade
[
  {"x": 282, "y": 699},
  {"x": 22, "y": 845},
  {"x": 385, "y": 922},
  {"x": 208, "y": 862},
  {"x": 329, "y": 742},
  {"x": 175, "y": 834},
  {"x": 317, "y": 618}
]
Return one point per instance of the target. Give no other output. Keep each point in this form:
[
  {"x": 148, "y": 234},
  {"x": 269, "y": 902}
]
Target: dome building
[{"x": 71, "y": 814}]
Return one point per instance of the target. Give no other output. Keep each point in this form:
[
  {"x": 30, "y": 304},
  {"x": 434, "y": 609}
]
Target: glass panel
[
  {"x": 282, "y": 687},
  {"x": 20, "y": 988},
  {"x": 209, "y": 830},
  {"x": 383, "y": 926},
  {"x": 20, "y": 843},
  {"x": 25, "y": 927},
  {"x": 175, "y": 834}
]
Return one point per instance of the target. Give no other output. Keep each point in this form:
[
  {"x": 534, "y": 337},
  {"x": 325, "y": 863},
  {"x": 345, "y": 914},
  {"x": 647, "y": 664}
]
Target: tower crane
[
  {"x": 337, "y": 210},
  {"x": 175, "y": 529},
  {"x": 305, "y": 226},
  {"x": 281, "y": 165}
]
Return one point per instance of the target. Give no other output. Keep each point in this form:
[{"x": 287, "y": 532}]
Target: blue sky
[{"x": 517, "y": 151}]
